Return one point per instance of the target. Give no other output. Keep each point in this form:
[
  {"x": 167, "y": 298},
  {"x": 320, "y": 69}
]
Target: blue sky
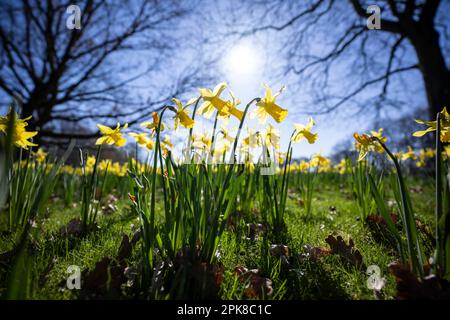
[{"x": 247, "y": 62}]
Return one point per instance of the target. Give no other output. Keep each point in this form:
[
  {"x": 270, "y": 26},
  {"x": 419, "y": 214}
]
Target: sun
[{"x": 242, "y": 60}]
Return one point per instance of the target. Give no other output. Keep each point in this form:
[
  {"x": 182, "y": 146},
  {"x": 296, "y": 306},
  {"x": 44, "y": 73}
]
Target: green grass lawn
[{"x": 295, "y": 277}]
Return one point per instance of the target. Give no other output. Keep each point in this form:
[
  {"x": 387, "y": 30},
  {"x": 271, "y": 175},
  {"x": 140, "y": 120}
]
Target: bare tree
[
  {"x": 111, "y": 68},
  {"x": 330, "y": 50}
]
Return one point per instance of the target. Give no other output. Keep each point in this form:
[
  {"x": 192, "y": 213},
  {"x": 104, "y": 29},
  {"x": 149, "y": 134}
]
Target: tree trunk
[{"x": 435, "y": 74}]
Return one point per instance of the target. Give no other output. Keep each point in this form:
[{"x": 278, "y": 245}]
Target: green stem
[
  {"x": 188, "y": 149},
  {"x": 438, "y": 210},
  {"x": 211, "y": 151},
  {"x": 408, "y": 218}
]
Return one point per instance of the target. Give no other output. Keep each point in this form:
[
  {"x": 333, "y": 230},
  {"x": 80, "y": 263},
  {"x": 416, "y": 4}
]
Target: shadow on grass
[{"x": 312, "y": 280}]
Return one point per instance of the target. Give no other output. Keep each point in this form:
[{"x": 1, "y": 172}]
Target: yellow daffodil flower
[
  {"x": 319, "y": 160},
  {"x": 167, "y": 141},
  {"x": 104, "y": 165},
  {"x": 152, "y": 126},
  {"x": 267, "y": 106},
  {"x": 201, "y": 141},
  {"x": 111, "y": 136},
  {"x": 428, "y": 152},
  {"x": 366, "y": 143},
  {"x": 304, "y": 132},
  {"x": 253, "y": 139},
  {"x": 410, "y": 154},
  {"x": 181, "y": 115},
  {"x": 303, "y": 166},
  {"x": 445, "y": 126},
  {"x": 213, "y": 101},
  {"x": 166, "y": 145},
  {"x": 20, "y": 135},
  {"x": 140, "y": 138},
  {"x": 40, "y": 155},
  {"x": 226, "y": 134},
  {"x": 150, "y": 144},
  {"x": 232, "y": 108},
  {"x": 281, "y": 156},
  {"x": 341, "y": 167},
  {"x": 90, "y": 161},
  {"x": 363, "y": 143},
  {"x": 272, "y": 137}
]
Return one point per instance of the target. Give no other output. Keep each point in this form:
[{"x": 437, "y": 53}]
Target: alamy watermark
[
  {"x": 74, "y": 279},
  {"x": 74, "y": 19},
  {"x": 375, "y": 281},
  {"x": 374, "y": 20}
]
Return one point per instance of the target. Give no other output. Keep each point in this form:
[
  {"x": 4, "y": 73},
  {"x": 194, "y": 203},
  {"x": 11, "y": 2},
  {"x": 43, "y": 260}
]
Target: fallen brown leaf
[
  {"x": 279, "y": 250},
  {"x": 409, "y": 287},
  {"x": 258, "y": 286},
  {"x": 348, "y": 253}
]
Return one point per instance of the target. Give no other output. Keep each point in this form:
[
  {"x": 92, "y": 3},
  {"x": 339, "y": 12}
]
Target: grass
[
  {"x": 327, "y": 278},
  {"x": 209, "y": 230}
]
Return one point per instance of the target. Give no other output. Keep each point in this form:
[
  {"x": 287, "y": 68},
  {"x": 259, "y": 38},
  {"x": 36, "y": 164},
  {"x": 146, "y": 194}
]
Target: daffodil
[
  {"x": 140, "y": 138},
  {"x": 40, "y": 155},
  {"x": 143, "y": 140},
  {"x": 267, "y": 106},
  {"x": 281, "y": 156},
  {"x": 319, "y": 160},
  {"x": 111, "y": 136},
  {"x": 68, "y": 169},
  {"x": 428, "y": 153},
  {"x": 201, "y": 141},
  {"x": 226, "y": 134},
  {"x": 232, "y": 108},
  {"x": 104, "y": 164},
  {"x": 303, "y": 166},
  {"x": 341, "y": 167},
  {"x": 181, "y": 115},
  {"x": 445, "y": 126},
  {"x": 226, "y": 146},
  {"x": 20, "y": 135},
  {"x": 252, "y": 140},
  {"x": 366, "y": 143},
  {"x": 90, "y": 161},
  {"x": 152, "y": 126},
  {"x": 379, "y": 135},
  {"x": 166, "y": 145},
  {"x": 213, "y": 101},
  {"x": 167, "y": 141},
  {"x": 363, "y": 143},
  {"x": 410, "y": 154},
  {"x": 272, "y": 137},
  {"x": 150, "y": 144},
  {"x": 302, "y": 131},
  {"x": 420, "y": 164},
  {"x": 221, "y": 150}
]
